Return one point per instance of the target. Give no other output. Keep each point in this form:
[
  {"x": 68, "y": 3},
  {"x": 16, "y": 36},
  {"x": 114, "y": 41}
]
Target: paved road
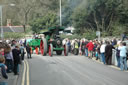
[{"x": 72, "y": 70}]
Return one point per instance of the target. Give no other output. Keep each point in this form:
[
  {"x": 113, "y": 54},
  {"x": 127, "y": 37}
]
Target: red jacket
[{"x": 90, "y": 46}]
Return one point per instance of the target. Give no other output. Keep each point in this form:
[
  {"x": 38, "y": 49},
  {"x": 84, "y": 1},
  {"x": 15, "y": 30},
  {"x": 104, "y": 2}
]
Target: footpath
[
  {"x": 15, "y": 79},
  {"x": 12, "y": 79}
]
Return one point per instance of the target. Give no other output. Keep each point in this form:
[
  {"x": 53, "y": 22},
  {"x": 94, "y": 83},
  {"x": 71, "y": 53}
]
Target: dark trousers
[
  {"x": 9, "y": 64},
  {"x": 109, "y": 60},
  {"x": 22, "y": 56},
  {"x": 29, "y": 55},
  {"x": 15, "y": 67}
]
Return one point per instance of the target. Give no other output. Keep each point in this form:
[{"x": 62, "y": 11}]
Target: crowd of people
[
  {"x": 101, "y": 49},
  {"x": 11, "y": 56}
]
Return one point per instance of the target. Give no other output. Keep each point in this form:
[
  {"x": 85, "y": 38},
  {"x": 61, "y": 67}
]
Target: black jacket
[
  {"x": 28, "y": 49},
  {"x": 16, "y": 55}
]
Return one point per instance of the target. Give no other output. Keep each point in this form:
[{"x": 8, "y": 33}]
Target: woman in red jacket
[{"x": 90, "y": 47}]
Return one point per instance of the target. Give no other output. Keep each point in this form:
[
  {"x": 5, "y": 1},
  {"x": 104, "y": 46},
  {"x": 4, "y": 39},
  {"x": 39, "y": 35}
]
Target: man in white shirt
[{"x": 102, "y": 51}]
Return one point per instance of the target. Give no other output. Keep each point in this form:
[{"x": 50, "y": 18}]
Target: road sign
[{"x": 97, "y": 33}]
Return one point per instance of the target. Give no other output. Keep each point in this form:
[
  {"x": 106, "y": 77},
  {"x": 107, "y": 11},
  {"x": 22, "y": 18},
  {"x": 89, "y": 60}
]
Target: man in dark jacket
[
  {"x": 108, "y": 53},
  {"x": 16, "y": 56},
  {"x": 28, "y": 49}
]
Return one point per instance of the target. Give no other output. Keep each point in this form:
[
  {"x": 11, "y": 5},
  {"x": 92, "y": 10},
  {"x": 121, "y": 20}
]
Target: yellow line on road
[
  {"x": 23, "y": 77},
  {"x": 28, "y": 81}
]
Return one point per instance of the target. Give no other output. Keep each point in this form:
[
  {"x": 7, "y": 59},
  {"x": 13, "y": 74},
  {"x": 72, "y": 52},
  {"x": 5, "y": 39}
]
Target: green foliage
[
  {"x": 49, "y": 20},
  {"x": 104, "y": 34},
  {"x": 119, "y": 29},
  {"x": 10, "y": 35},
  {"x": 100, "y": 15},
  {"x": 84, "y": 15},
  {"x": 90, "y": 35},
  {"x": 75, "y": 36},
  {"x": 79, "y": 20},
  {"x": 68, "y": 6}
]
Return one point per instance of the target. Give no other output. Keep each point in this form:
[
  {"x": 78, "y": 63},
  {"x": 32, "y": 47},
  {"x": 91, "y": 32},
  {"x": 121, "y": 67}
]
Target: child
[
  {"x": 2, "y": 51},
  {"x": 3, "y": 75}
]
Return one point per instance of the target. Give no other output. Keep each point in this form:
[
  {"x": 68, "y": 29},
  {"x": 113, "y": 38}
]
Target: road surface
[{"x": 70, "y": 70}]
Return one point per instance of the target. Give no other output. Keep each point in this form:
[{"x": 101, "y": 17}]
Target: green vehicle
[
  {"x": 52, "y": 42},
  {"x": 34, "y": 43}
]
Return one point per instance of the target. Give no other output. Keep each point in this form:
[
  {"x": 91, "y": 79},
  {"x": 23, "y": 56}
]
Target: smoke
[{"x": 68, "y": 9}]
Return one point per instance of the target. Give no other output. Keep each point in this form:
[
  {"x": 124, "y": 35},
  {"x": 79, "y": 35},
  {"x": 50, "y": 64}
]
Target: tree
[
  {"x": 27, "y": 10},
  {"x": 96, "y": 15},
  {"x": 68, "y": 7},
  {"x": 44, "y": 22}
]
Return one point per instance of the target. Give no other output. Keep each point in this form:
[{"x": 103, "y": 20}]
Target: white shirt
[{"x": 102, "y": 48}]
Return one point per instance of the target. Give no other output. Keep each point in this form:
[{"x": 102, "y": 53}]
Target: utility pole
[
  {"x": 1, "y": 7},
  {"x": 2, "y": 36},
  {"x": 60, "y": 14}
]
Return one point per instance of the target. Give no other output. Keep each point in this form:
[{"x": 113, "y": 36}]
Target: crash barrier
[{"x": 114, "y": 59}]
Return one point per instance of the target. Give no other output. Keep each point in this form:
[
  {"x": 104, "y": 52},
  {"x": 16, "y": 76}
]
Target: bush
[
  {"x": 74, "y": 36},
  {"x": 10, "y": 35},
  {"x": 90, "y": 35}
]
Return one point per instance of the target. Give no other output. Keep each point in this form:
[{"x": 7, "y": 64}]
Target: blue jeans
[
  {"x": 29, "y": 55},
  {"x": 9, "y": 64},
  {"x": 103, "y": 57},
  {"x": 97, "y": 55},
  {"x": 18, "y": 68},
  {"x": 3, "y": 83},
  {"x": 118, "y": 61},
  {"x": 123, "y": 63},
  {"x": 86, "y": 52}
]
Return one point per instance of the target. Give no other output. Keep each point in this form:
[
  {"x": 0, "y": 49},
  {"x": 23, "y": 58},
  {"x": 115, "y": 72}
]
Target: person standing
[
  {"x": 102, "y": 51},
  {"x": 16, "y": 56},
  {"x": 118, "y": 54},
  {"x": 123, "y": 56},
  {"x": 98, "y": 51},
  {"x": 9, "y": 61},
  {"x": 90, "y": 47},
  {"x": 22, "y": 51},
  {"x": 2, "y": 51},
  {"x": 69, "y": 45},
  {"x": 83, "y": 47},
  {"x": 3, "y": 74},
  {"x": 86, "y": 49},
  {"x": 28, "y": 49},
  {"x": 108, "y": 53},
  {"x": 76, "y": 47}
]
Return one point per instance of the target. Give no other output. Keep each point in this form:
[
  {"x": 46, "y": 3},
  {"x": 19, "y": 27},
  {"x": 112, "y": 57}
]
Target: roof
[
  {"x": 60, "y": 28},
  {"x": 13, "y": 29}
]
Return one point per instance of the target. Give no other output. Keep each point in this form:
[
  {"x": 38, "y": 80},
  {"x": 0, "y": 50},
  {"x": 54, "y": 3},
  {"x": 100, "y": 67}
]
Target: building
[
  {"x": 17, "y": 29},
  {"x": 69, "y": 30}
]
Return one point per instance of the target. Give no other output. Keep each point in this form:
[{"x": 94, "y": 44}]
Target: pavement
[
  {"x": 15, "y": 79},
  {"x": 12, "y": 79}
]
